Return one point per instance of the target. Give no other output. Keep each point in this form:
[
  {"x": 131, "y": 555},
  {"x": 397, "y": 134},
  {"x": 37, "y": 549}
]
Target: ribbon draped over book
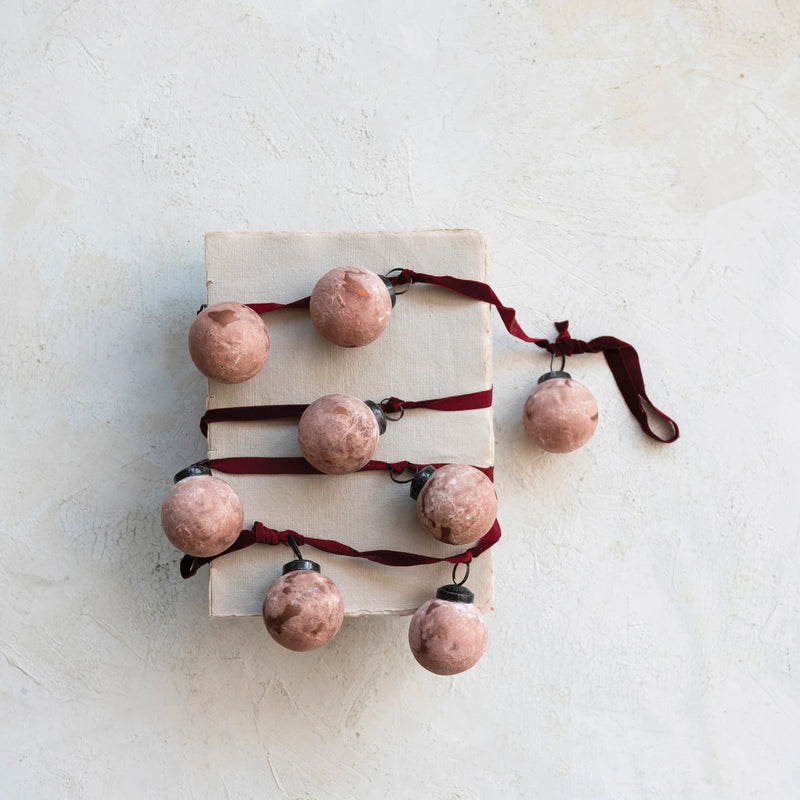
[
  {"x": 303, "y": 366},
  {"x": 621, "y": 357},
  {"x": 261, "y": 534},
  {"x": 391, "y": 405}
]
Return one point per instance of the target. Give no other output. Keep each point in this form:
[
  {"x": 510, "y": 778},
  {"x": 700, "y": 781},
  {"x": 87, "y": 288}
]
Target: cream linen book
[{"x": 437, "y": 344}]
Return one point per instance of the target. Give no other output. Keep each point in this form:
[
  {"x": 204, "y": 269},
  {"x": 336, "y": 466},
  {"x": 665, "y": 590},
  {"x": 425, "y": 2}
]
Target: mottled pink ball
[
  {"x": 350, "y": 306},
  {"x": 447, "y": 637},
  {"x": 202, "y": 515},
  {"x": 338, "y": 434},
  {"x": 560, "y": 415},
  {"x": 303, "y": 610},
  {"x": 229, "y": 342},
  {"x": 457, "y": 504}
]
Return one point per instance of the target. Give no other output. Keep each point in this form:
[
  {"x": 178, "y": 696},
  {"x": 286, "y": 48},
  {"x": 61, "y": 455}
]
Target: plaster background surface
[{"x": 635, "y": 167}]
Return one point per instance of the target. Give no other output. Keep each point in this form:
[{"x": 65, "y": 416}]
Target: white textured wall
[{"x": 635, "y": 167}]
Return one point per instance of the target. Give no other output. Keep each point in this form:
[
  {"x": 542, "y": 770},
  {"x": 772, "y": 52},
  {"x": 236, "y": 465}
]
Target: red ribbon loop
[
  {"x": 264, "y": 535},
  {"x": 563, "y": 332},
  {"x": 392, "y": 405}
]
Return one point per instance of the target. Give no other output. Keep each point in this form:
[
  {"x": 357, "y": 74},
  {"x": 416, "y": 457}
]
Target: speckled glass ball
[
  {"x": 303, "y": 610},
  {"x": 447, "y": 637},
  {"x": 338, "y": 434},
  {"x": 229, "y": 342},
  {"x": 457, "y": 504},
  {"x": 560, "y": 415},
  {"x": 202, "y": 516},
  {"x": 350, "y": 306}
]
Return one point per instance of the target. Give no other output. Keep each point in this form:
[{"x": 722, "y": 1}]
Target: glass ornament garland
[{"x": 337, "y": 434}]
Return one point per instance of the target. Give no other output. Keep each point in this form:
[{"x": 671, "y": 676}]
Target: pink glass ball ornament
[
  {"x": 456, "y": 503},
  {"x": 351, "y": 306},
  {"x": 338, "y": 433},
  {"x": 201, "y": 515},
  {"x": 447, "y": 633},
  {"x": 229, "y": 342},
  {"x": 560, "y": 413},
  {"x": 303, "y": 609}
]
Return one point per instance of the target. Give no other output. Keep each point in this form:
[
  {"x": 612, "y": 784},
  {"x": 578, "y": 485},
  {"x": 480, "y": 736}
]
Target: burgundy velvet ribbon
[
  {"x": 261, "y": 534},
  {"x": 296, "y": 465},
  {"x": 459, "y": 402},
  {"x": 622, "y": 359},
  {"x": 263, "y": 308},
  {"x": 456, "y": 402}
]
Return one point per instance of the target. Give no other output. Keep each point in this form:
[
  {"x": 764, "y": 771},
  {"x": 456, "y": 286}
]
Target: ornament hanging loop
[
  {"x": 198, "y": 468},
  {"x": 408, "y": 284},
  {"x": 466, "y": 574},
  {"x": 299, "y": 562},
  {"x": 555, "y": 373},
  {"x": 393, "y": 472},
  {"x": 295, "y": 548},
  {"x": 402, "y": 411}
]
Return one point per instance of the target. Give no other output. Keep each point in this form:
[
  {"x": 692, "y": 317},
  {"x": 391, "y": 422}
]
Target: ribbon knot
[
  {"x": 392, "y": 405},
  {"x": 398, "y": 467},
  {"x": 564, "y": 344},
  {"x": 404, "y": 276},
  {"x": 563, "y": 331},
  {"x": 264, "y": 535}
]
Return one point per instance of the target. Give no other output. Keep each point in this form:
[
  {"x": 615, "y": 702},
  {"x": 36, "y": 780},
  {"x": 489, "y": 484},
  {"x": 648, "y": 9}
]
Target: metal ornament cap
[
  {"x": 455, "y": 593},
  {"x": 390, "y": 289},
  {"x": 300, "y": 564},
  {"x": 419, "y": 480},
  {"x": 379, "y": 415},
  {"x": 556, "y": 373},
  {"x": 192, "y": 469}
]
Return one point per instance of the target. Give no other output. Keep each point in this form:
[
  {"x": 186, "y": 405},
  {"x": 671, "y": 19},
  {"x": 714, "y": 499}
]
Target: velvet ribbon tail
[{"x": 623, "y": 361}]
